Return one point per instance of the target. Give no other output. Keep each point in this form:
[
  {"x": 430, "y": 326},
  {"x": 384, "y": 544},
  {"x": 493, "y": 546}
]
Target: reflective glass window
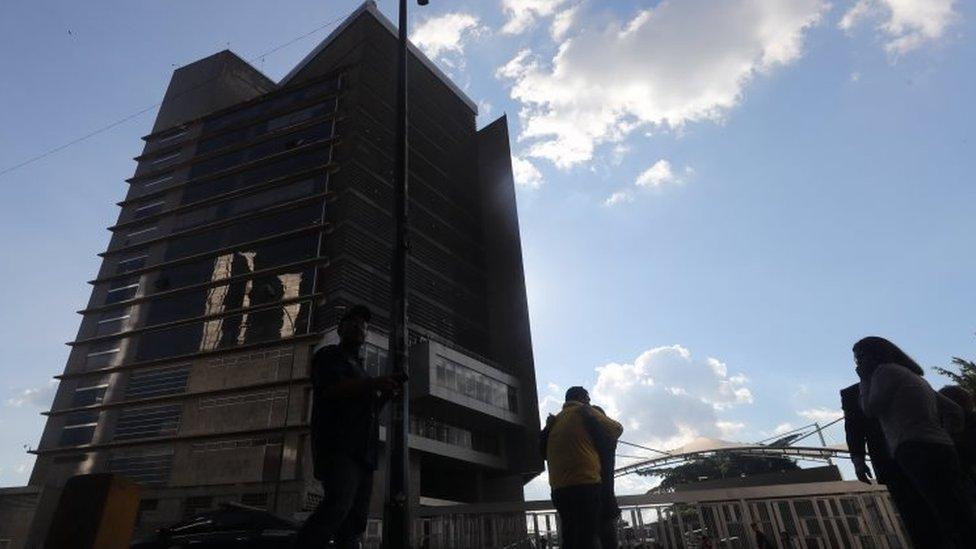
[
  {"x": 75, "y": 436},
  {"x": 266, "y": 126},
  {"x": 79, "y": 428},
  {"x": 156, "y": 181},
  {"x": 130, "y": 264},
  {"x": 140, "y": 234},
  {"x": 226, "y": 332},
  {"x": 252, "y": 202},
  {"x": 148, "y": 210},
  {"x": 474, "y": 384},
  {"x": 270, "y": 147},
  {"x": 245, "y": 230},
  {"x": 263, "y": 256},
  {"x": 112, "y": 322},
  {"x": 274, "y": 169},
  {"x": 122, "y": 290},
  {"x": 260, "y": 290},
  {"x": 102, "y": 354},
  {"x": 237, "y": 116},
  {"x": 89, "y": 395}
]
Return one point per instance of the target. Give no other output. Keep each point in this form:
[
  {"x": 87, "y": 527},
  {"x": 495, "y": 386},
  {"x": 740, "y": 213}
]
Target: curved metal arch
[{"x": 802, "y": 452}]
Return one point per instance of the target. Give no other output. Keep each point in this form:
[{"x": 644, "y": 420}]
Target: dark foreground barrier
[
  {"x": 94, "y": 512},
  {"x": 231, "y": 526}
]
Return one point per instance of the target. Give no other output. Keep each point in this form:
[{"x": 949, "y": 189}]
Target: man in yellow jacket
[{"x": 573, "y": 440}]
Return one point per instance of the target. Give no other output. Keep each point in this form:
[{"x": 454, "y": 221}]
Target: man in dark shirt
[{"x": 346, "y": 402}]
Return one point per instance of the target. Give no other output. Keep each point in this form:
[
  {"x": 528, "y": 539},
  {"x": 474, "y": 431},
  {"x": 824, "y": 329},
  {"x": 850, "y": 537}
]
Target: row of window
[
  {"x": 471, "y": 383},
  {"x": 245, "y": 230},
  {"x": 277, "y": 123},
  {"x": 209, "y": 335},
  {"x": 239, "y": 262},
  {"x": 242, "y": 231},
  {"x": 198, "y": 191},
  {"x": 264, "y": 149},
  {"x": 440, "y": 431},
  {"x": 224, "y": 209},
  {"x": 279, "y": 102}
]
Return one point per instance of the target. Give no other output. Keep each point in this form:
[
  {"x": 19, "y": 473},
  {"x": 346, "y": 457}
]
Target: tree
[
  {"x": 965, "y": 378},
  {"x": 721, "y": 465}
]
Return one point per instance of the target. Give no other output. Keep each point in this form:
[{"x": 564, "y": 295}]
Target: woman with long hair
[{"x": 918, "y": 424}]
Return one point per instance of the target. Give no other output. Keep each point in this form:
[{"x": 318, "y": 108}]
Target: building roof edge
[{"x": 369, "y": 6}]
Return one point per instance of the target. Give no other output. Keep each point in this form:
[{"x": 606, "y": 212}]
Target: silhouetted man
[
  {"x": 574, "y": 467},
  {"x": 862, "y": 430},
  {"x": 345, "y": 435}
]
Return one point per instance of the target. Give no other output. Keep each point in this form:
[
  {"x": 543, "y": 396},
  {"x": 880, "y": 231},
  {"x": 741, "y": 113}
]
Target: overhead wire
[
  {"x": 643, "y": 447},
  {"x": 136, "y": 114}
]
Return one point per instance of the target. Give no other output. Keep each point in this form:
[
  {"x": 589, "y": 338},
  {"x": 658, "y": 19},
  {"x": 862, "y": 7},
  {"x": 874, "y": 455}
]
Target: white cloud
[
  {"x": 484, "y": 108},
  {"x": 537, "y": 488},
  {"x": 522, "y": 14},
  {"x": 679, "y": 62},
  {"x": 666, "y": 397},
  {"x": 730, "y": 429},
  {"x": 905, "y": 24},
  {"x": 619, "y": 197},
  {"x": 443, "y": 37},
  {"x": 25, "y": 467},
  {"x": 783, "y": 428},
  {"x": 820, "y": 415},
  {"x": 550, "y": 401},
  {"x": 562, "y": 22},
  {"x": 40, "y": 396},
  {"x": 525, "y": 173},
  {"x": 655, "y": 176}
]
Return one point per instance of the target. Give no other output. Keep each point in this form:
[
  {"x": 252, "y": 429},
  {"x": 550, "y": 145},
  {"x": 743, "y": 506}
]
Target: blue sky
[{"x": 717, "y": 199}]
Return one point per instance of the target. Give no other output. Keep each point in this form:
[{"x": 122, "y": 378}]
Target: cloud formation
[
  {"x": 443, "y": 37},
  {"x": 666, "y": 397},
  {"x": 655, "y": 176},
  {"x": 905, "y": 24},
  {"x": 39, "y": 396},
  {"x": 820, "y": 414},
  {"x": 525, "y": 173},
  {"x": 522, "y": 14},
  {"x": 669, "y": 65},
  {"x": 619, "y": 197}
]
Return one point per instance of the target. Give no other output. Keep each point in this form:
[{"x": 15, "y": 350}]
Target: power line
[
  {"x": 632, "y": 457},
  {"x": 643, "y": 447},
  {"x": 103, "y": 129}
]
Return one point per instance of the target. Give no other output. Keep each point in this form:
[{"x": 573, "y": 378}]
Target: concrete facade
[{"x": 257, "y": 213}]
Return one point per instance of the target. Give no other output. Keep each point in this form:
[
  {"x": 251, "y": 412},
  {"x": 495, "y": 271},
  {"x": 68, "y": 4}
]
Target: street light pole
[{"x": 396, "y": 515}]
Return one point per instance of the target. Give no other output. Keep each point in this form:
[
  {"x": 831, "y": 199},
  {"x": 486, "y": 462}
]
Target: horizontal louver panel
[
  {"x": 170, "y": 380},
  {"x": 148, "y": 470},
  {"x": 152, "y": 421}
]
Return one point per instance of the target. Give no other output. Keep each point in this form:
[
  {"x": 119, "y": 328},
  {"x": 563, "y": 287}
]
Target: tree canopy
[{"x": 965, "y": 377}]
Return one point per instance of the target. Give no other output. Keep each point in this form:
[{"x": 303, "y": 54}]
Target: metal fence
[{"x": 823, "y": 515}]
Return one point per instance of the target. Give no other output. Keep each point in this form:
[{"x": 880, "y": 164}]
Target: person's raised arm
[{"x": 611, "y": 428}]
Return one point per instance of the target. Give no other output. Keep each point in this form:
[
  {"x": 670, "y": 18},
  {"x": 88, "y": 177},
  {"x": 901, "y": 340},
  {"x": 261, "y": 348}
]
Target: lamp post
[{"x": 396, "y": 508}]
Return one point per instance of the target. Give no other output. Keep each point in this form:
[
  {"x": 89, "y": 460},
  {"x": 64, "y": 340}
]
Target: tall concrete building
[{"x": 258, "y": 211}]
